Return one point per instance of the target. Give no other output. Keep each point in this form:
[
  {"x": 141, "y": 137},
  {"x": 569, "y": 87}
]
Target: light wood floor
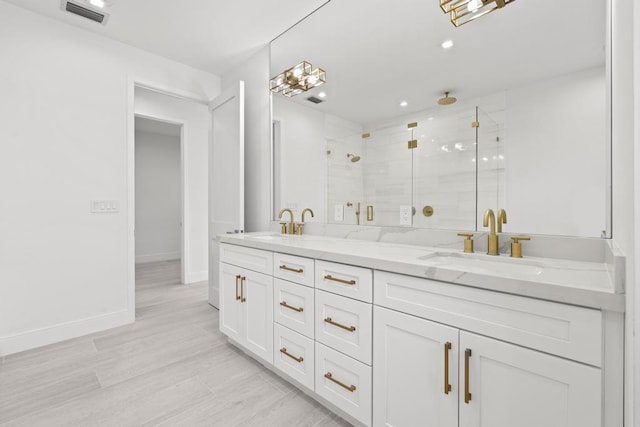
[{"x": 171, "y": 367}]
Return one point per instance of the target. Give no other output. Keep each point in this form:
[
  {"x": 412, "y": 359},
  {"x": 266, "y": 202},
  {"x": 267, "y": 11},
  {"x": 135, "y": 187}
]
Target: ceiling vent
[
  {"x": 85, "y": 10},
  {"x": 314, "y": 100}
]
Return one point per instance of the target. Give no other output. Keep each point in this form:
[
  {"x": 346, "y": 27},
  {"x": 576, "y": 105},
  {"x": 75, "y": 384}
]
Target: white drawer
[
  {"x": 294, "y": 355},
  {"x": 294, "y": 268},
  {"x": 249, "y": 258},
  {"x": 344, "y": 324},
  {"x": 347, "y": 280},
  {"x": 565, "y": 330},
  {"x": 345, "y": 382},
  {"x": 293, "y": 306}
]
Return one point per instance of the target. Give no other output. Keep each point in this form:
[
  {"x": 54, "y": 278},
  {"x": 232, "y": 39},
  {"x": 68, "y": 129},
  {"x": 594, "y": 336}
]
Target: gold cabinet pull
[
  {"x": 298, "y": 309},
  {"x": 339, "y": 325},
  {"x": 447, "y": 386},
  {"x": 351, "y": 387},
  {"x": 293, "y": 270},
  {"x": 334, "y": 279},
  {"x": 242, "y": 298},
  {"x": 283, "y": 350},
  {"x": 237, "y": 278},
  {"x": 467, "y": 395}
]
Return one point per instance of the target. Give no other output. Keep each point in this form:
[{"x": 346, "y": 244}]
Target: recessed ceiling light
[
  {"x": 97, "y": 3},
  {"x": 447, "y": 44},
  {"x": 404, "y": 103},
  {"x": 322, "y": 94}
]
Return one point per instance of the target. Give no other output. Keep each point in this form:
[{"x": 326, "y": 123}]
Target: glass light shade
[{"x": 461, "y": 15}]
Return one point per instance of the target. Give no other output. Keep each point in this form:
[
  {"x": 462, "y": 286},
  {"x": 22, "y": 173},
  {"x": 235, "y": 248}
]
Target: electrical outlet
[
  {"x": 338, "y": 214},
  {"x": 405, "y": 215}
]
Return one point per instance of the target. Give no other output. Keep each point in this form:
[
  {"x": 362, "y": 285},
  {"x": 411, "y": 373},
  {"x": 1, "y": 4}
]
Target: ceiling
[
  {"x": 378, "y": 53},
  {"x": 144, "y": 124},
  {"x": 211, "y": 35}
]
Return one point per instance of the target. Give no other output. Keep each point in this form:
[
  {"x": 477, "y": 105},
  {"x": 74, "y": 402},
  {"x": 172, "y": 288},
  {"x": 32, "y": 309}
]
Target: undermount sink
[{"x": 483, "y": 263}]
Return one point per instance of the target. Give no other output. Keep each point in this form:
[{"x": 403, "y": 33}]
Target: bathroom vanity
[{"x": 394, "y": 334}]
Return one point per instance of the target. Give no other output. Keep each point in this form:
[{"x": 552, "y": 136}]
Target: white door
[
  {"x": 511, "y": 386},
  {"x": 258, "y": 314},
  {"x": 231, "y": 319},
  {"x": 226, "y": 175},
  {"x": 415, "y": 376}
]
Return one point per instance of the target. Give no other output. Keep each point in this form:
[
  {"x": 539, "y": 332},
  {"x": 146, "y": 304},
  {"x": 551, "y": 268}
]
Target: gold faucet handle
[
  {"x": 516, "y": 246},
  {"x": 299, "y": 228},
  {"x": 283, "y": 227},
  {"x": 468, "y": 242}
]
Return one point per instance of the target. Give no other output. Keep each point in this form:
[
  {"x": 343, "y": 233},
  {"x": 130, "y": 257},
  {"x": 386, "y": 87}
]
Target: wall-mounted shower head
[{"x": 353, "y": 157}]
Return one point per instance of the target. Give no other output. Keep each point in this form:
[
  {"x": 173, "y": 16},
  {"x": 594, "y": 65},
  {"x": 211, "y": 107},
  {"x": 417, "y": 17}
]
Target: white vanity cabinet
[
  {"x": 492, "y": 383},
  {"x": 246, "y": 299},
  {"x": 389, "y": 349},
  {"x": 506, "y": 385},
  {"x": 415, "y": 373}
]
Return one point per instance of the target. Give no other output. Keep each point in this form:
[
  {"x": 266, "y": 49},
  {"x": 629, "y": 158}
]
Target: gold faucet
[
  {"x": 301, "y": 225},
  {"x": 502, "y": 219},
  {"x": 492, "y": 245},
  {"x": 292, "y": 225}
]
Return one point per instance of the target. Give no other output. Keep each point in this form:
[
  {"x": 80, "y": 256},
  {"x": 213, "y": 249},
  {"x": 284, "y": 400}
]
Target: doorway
[{"x": 158, "y": 195}]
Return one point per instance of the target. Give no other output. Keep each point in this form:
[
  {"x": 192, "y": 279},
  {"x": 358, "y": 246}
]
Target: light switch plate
[
  {"x": 405, "y": 215},
  {"x": 338, "y": 213},
  {"x": 105, "y": 206}
]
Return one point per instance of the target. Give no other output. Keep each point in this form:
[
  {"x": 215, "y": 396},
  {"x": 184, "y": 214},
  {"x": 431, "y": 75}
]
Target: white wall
[
  {"x": 196, "y": 122},
  {"x": 158, "y": 197},
  {"x": 624, "y": 192},
  {"x": 64, "y": 111},
  {"x": 549, "y": 125}
]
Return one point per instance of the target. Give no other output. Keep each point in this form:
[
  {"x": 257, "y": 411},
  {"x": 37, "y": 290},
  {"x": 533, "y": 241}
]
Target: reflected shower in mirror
[{"x": 510, "y": 111}]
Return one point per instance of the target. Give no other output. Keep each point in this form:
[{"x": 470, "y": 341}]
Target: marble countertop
[{"x": 588, "y": 284}]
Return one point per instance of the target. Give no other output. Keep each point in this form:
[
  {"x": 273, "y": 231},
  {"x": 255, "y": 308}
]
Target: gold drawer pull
[
  {"x": 298, "y": 309},
  {"x": 294, "y": 270},
  {"x": 447, "y": 386},
  {"x": 467, "y": 395},
  {"x": 237, "y": 295},
  {"x": 283, "y": 350},
  {"x": 346, "y": 282},
  {"x": 351, "y": 387},
  {"x": 346, "y": 328},
  {"x": 242, "y": 298}
]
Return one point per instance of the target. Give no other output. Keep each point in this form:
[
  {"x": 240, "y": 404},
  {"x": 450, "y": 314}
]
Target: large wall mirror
[{"x": 529, "y": 131}]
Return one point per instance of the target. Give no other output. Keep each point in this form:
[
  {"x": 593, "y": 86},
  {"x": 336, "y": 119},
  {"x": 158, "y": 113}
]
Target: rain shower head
[
  {"x": 447, "y": 100},
  {"x": 353, "y": 157}
]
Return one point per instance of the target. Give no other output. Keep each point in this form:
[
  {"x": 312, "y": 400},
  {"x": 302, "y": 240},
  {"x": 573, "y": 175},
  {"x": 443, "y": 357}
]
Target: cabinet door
[
  {"x": 258, "y": 314},
  {"x": 410, "y": 371},
  {"x": 514, "y": 386},
  {"x": 231, "y": 322}
]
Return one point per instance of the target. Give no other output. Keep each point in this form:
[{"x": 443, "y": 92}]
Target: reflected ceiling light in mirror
[
  {"x": 464, "y": 11},
  {"x": 97, "y": 3},
  {"x": 404, "y": 103},
  {"x": 297, "y": 79},
  {"x": 322, "y": 95},
  {"x": 447, "y": 44}
]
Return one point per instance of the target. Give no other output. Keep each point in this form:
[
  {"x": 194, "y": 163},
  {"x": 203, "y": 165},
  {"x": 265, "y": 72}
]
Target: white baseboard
[
  {"x": 163, "y": 256},
  {"x": 53, "y": 334},
  {"x": 198, "y": 276}
]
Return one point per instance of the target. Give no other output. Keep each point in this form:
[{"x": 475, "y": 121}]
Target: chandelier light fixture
[
  {"x": 297, "y": 79},
  {"x": 463, "y": 11}
]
